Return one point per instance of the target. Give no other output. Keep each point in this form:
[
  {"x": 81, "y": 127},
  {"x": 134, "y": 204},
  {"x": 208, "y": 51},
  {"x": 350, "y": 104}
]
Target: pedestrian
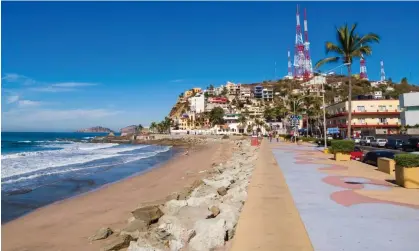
[
  {"x": 277, "y": 137},
  {"x": 270, "y": 137}
]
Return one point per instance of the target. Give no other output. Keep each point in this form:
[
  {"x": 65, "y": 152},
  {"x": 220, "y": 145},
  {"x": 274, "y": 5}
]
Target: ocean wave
[
  {"x": 39, "y": 173},
  {"x": 18, "y": 164}
]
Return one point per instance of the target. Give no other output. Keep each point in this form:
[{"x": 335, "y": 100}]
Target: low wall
[{"x": 386, "y": 165}]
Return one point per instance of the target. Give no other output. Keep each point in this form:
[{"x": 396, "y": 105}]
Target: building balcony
[
  {"x": 369, "y": 112},
  {"x": 366, "y": 125}
]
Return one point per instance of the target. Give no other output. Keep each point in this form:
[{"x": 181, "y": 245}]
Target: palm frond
[
  {"x": 367, "y": 39},
  {"x": 326, "y": 60},
  {"x": 331, "y": 47}
]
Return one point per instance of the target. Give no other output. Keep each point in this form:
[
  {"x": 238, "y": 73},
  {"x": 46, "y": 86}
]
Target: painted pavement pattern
[{"x": 336, "y": 208}]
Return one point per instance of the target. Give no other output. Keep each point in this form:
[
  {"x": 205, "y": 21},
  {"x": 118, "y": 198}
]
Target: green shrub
[
  {"x": 407, "y": 160},
  {"x": 308, "y": 139},
  {"x": 342, "y": 146}
]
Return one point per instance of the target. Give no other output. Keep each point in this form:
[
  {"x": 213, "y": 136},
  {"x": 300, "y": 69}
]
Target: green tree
[
  {"x": 350, "y": 45},
  {"x": 216, "y": 116},
  {"x": 153, "y": 126},
  {"x": 224, "y": 91}
]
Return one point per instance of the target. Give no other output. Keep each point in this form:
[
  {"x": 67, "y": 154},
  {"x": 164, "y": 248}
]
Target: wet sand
[{"x": 66, "y": 225}]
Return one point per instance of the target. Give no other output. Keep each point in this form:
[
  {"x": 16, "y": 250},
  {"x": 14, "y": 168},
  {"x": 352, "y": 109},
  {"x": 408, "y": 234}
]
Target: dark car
[
  {"x": 372, "y": 157},
  {"x": 412, "y": 144},
  {"x": 394, "y": 143}
]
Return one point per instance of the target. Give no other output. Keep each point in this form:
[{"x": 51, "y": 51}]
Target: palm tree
[
  {"x": 242, "y": 120},
  {"x": 153, "y": 126},
  {"x": 350, "y": 45}
]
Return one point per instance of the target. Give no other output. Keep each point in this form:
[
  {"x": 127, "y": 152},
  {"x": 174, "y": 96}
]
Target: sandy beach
[{"x": 66, "y": 225}]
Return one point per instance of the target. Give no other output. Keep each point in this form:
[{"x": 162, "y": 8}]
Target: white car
[
  {"x": 366, "y": 140},
  {"x": 378, "y": 142},
  {"x": 357, "y": 140}
]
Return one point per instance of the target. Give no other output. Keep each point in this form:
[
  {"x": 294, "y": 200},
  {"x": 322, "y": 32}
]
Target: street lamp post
[
  {"x": 324, "y": 106},
  {"x": 294, "y": 117}
]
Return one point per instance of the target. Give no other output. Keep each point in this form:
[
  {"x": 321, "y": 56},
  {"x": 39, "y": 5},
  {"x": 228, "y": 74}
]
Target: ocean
[{"x": 41, "y": 168}]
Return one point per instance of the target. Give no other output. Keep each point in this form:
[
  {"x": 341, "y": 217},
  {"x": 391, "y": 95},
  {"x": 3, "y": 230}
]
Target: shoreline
[
  {"x": 176, "y": 155},
  {"x": 66, "y": 224}
]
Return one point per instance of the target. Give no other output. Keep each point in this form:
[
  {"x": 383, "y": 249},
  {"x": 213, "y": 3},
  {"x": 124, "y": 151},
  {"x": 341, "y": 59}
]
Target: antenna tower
[
  {"x": 299, "y": 57},
  {"x": 308, "y": 67},
  {"x": 289, "y": 65},
  {"x": 363, "y": 69},
  {"x": 383, "y": 73}
]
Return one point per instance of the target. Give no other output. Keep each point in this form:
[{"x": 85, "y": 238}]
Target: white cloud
[
  {"x": 16, "y": 78},
  {"x": 45, "y": 115},
  {"x": 177, "y": 80},
  {"x": 28, "y": 103},
  {"x": 52, "y": 89},
  {"x": 73, "y": 84},
  {"x": 12, "y": 99}
]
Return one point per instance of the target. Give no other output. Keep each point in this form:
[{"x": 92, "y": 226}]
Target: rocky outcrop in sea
[{"x": 95, "y": 129}]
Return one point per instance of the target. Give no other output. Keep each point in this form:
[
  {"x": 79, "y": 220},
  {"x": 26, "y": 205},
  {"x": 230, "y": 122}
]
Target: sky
[{"x": 71, "y": 65}]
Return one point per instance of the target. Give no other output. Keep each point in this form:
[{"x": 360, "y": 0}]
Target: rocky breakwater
[{"x": 201, "y": 217}]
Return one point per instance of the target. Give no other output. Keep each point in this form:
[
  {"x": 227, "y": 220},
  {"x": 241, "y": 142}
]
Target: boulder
[
  {"x": 210, "y": 234},
  {"x": 135, "y": 246},
  {"x": 205, "y": 200},
  {"x": 217, "y": 183},
  {"x": 148, "y": 214},
  {"x": 172, "y": 207},
  {"x": 230, "y": 213},
  {"x": 119, "y": 242},
  {"x": 222, "y": 191},
  {"x": 101, "y": 234},
  {"x": 134, "y": 228},
  {"x": 214, "y": 212}
]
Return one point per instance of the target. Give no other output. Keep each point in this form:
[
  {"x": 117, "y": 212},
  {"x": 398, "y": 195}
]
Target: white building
[
  {"x": 245, "y": 93},
  {"x": 315, "y": 81},
  {"x": 409, "y": 104},
  {"x": 198, "y": 103},
  {"x": 268, "y": 94},
  {"x": 378, "y": 94}
]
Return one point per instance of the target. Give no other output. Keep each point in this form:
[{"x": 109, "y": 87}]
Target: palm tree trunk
[
  {"x": 308, "y": 122},
  {"x": 350, "y": 103}
]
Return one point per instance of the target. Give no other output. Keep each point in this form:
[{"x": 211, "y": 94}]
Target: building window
[
  {"x": 382, "y": 108},
  {"x": 360, "y": 108},
  {"x": 361, "y": 121},
  {"x": 382, "y": 120}
]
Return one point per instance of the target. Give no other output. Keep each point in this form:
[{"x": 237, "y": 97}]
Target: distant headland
[{"x": 95, "y": 129}]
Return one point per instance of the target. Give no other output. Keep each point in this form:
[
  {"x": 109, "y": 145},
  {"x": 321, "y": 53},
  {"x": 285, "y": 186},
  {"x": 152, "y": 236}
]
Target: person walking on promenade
[
  {"x": 277, "y": 137},
  {"x": 270, "y": 137}
]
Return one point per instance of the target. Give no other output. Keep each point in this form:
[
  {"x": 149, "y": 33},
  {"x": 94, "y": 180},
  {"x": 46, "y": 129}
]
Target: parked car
[
  {"x": 378, "y": 142},
  {"x": 394, "y": 143},
  {"x": 357, "y": 154},
  {"x": 366, "y": 140},
  {"x": 357, "y": 140},
  {"x": 372, "y": 157},
  {"x": 411, "y": 145}
]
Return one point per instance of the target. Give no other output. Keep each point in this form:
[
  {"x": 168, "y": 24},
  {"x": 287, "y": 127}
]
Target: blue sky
[{"x": 68, "y": 65}]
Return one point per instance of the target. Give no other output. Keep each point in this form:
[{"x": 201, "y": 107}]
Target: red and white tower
[
  {"x": 299, "y": 57},
  {"x": 308, "y": 67},
  {"x": 289, "y": 65},
  {"x": 363, "y": 69},
  {"x": 382, "y": 73}
]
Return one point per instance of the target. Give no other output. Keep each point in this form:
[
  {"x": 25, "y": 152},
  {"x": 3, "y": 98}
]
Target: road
[{"x": 370, "y": 148}]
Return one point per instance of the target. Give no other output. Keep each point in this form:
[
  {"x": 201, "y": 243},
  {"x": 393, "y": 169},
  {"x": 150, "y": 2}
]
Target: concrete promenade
[{"x": 300, "y": 199}]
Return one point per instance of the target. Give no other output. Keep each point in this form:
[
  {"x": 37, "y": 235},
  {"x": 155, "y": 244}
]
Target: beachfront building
[
  {"x": 197, "y": 103},
  {"x": 409, "y": 104},
  {"x": 380, "y": 116},
  {"x": 258, "y": 92},
  {"x": 254, "y": 111},
  {"x": 268, "y": 94}
]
